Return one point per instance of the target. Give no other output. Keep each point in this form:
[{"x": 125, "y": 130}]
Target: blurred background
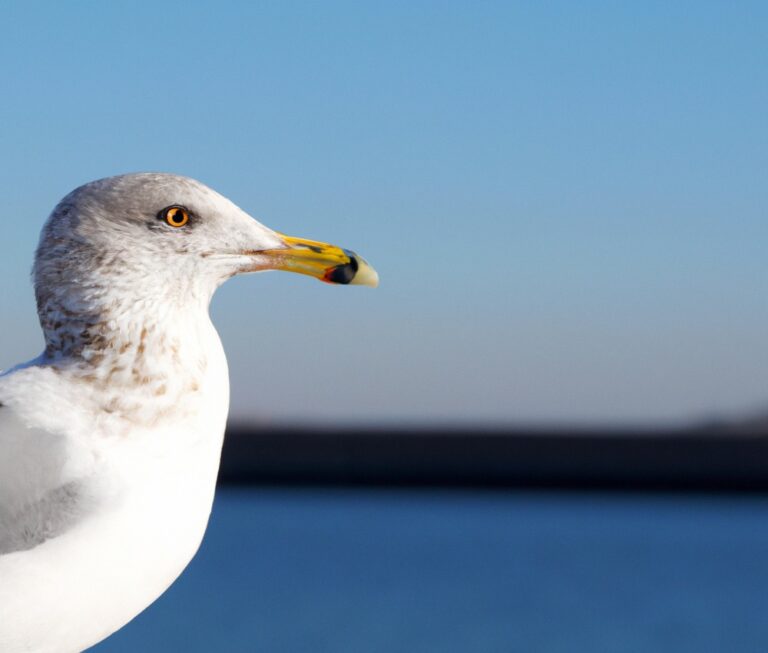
[{"x": 566, "y": 203}]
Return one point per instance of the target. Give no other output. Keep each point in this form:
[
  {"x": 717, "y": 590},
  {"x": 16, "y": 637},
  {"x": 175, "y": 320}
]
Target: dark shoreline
[{"x": 711, "y": 459}]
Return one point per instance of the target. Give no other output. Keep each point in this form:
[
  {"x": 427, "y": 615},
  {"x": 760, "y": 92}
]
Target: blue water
[{"x": 366, "y": 571}]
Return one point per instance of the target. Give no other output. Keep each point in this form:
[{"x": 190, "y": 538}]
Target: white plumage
[{"x": 110, "y": 441}]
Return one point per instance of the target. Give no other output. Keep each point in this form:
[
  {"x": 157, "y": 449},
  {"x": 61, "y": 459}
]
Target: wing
[{"x": 39, "y": 497}]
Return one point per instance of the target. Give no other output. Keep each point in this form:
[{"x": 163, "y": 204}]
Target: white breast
[{"x": 146, "y": 496}]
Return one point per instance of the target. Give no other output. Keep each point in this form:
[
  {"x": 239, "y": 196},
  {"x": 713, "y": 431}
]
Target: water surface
[{"x": 418, "y": 571}]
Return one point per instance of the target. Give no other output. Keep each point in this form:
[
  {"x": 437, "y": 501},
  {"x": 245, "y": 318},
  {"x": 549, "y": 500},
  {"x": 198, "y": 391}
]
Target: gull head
[{"x": 158, "y": 242}]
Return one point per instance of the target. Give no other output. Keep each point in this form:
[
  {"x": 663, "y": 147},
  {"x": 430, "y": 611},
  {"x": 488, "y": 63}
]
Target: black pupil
[{"x": 177, "y": 216}]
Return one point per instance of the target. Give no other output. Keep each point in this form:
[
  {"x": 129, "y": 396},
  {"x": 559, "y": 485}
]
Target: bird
[{"x": 110, "y": 440}]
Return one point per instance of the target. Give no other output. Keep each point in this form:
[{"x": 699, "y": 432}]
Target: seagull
[{"x": 110, "y": 440}]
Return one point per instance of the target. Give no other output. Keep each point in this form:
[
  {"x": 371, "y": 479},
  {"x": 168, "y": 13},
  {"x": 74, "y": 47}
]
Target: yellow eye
[{"x": 176, "y": 216}]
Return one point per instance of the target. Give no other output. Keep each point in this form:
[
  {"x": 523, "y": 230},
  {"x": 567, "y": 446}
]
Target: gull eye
[{"x": 175, "y": 216}]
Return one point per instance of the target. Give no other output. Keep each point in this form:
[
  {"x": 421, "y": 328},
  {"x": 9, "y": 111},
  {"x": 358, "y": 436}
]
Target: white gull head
[
  {"x": 108, "y": 248},
  {"x": 137, "y": 240},
  {"x": 110, "y": 440}
]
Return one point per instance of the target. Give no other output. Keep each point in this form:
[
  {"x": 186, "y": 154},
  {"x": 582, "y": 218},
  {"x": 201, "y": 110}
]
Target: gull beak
[{"x": 323, "y": 261}]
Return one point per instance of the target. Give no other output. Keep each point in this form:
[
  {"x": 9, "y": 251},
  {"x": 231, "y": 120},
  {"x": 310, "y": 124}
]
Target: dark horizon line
[
  {"x": 752, "y": 423},
  {"x": 704, "y": 459}
]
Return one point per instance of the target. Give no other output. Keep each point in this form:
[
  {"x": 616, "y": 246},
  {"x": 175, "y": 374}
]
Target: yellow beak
[{"x": 323, "y": 261}]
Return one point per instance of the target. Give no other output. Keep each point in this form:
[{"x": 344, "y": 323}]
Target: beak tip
[{"x": 365, "y": 276}]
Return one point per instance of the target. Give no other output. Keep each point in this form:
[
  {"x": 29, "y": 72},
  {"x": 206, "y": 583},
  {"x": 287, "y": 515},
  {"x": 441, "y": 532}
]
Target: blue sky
[{"x": 566, "y": 201}]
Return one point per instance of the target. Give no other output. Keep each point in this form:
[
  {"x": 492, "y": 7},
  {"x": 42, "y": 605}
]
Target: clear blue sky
[{"x": 567, "y": 202}]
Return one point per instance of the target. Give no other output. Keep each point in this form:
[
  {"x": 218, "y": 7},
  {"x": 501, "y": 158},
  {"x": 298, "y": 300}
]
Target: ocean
[{"x": 316, "y": 570}]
